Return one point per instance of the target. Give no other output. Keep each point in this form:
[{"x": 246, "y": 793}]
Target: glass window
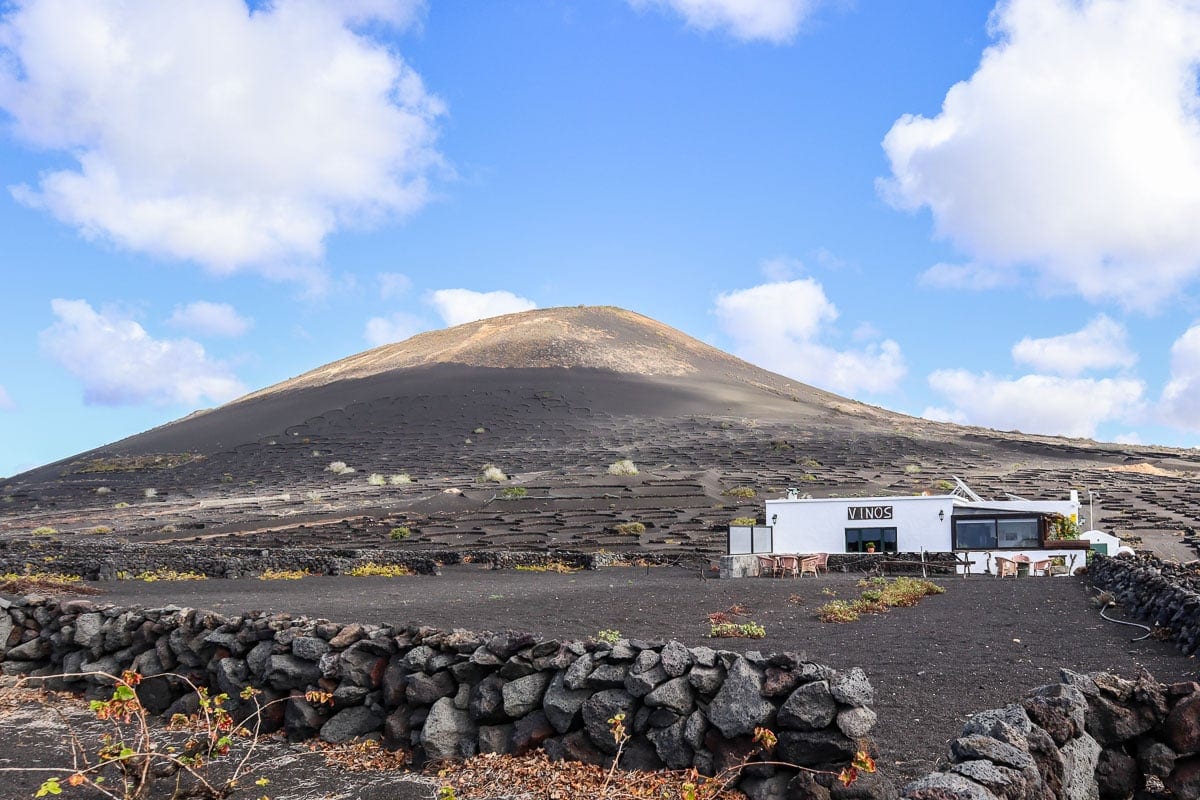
[
  {"x": 974, "y": 534},
  {"x": 1017, "y": 533},
  {"x": 740, "y": 540},
  {"x": 762, "y": 539},
  {"x": 858, "y": 539}
]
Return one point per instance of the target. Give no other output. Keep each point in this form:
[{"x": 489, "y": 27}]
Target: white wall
[
  {"x": 983, "y": 561},
  {"x": 819, "y": 525}
]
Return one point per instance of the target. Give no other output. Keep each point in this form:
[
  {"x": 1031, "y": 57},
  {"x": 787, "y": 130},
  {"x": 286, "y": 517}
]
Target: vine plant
[
  {"x": 129, "y": 764},
  {"x": 696, "y": 787}
]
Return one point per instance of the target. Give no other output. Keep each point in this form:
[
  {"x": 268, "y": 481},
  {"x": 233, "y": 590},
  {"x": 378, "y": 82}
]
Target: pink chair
[
  {"x": 789, "y": 565},
  {"x": 822, "y": 562},
  {"x": 767, "y": 567},
  {"x": 810, "y": 564}
]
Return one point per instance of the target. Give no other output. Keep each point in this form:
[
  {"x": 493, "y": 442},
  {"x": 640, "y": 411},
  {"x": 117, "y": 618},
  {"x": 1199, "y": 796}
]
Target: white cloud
[
  {"x": 210, "y": 319},
  {"x": 974, "y": 277},
  {"x": 1180, "y": 403},
  {"x": 120, "y": 364},
  {"x": 393, "y": 285},
  {"x": 457, "y": 306},
  {"x": 768, "y": 20},
  {"x": 208, "y": 132},
  {"x": 777, "y": 270},
  {"x": 779, "y": 325},
  {"x": 393, "y": 328},
  {"x": 1074, "y": 149},
  {"x": 6, "y": 402},
  {"x": 1034, "y": 403},
  {"x": 1101, "y": 344},
  {"x": 939, "y": 414}
]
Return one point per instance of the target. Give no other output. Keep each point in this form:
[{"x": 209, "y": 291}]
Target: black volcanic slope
[{"x": 551, "y": 398}]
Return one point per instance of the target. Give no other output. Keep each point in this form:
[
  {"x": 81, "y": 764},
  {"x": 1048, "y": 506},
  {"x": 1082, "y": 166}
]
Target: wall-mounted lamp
[
  {"x": 774, "y": 518},
  {"x": 941, "y": 514}
]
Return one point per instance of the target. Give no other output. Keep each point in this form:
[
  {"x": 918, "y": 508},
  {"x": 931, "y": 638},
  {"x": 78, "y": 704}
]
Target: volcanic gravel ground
[
  {"x": 35, "y": 732},
  {"x": 980, "y": 645}
]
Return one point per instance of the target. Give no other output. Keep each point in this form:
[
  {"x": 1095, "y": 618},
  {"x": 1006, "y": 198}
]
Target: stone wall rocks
[
  {"x": 449, "y": 695},
  {"x": 1159, "y": 593},
  {"x": 107, "y": 559},
  {"x": 1088, "y": 737}
]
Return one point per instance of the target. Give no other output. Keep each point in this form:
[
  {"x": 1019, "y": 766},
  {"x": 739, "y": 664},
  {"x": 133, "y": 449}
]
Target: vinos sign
[{"x": 862, "y": 513}]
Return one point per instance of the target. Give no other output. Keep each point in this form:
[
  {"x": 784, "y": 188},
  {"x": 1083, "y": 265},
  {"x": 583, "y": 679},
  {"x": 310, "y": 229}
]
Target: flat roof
[{"x": 888, "y": 499}]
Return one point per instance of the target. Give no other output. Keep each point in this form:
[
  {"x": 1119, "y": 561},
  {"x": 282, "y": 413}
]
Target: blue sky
[{"x": 969, "y": 211}]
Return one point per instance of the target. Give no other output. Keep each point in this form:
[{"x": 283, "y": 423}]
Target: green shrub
[
  {"x": 513, "y": 492},
  {"x": 622, "y": 467},
  {"x": 375, "y": 479},
  {"x": 912, "y": 469},
  {"x": 909, "y": 591},
  {"x": 122, "y": 504},
  {"x": 283, "y": 574},
  {"x": 630, "y": 528},
  {"x": 492, "y": 473},
  {"x": 339, "y": 468},
  {"x": 743, "y": 521},
  {"x": 837, "y": 611},
  {"x": 878, "y": 595},
  {"x": 162, "y": 574},
  {"x": 399, "y": 532},
  {"x": 371, "y": 569},
  {"x": 399, "y": 479},
  {"x": 100, "y": 530},
  {"x": 610, "y": 636},
  {"x": 944, "y": 485},
  {"x": 736, "y": 630},
  {"x": 746, "y": 492},
  {"x": 44, "y": 530},
  {"x": 1064, "y": 528},
  {"x": 549, "y": 566}
]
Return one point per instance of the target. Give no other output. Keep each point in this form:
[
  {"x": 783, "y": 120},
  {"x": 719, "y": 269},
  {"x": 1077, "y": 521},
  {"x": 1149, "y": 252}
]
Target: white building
[{"x": 960, "y": 522}]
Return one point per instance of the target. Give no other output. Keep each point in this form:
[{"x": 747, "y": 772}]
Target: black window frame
[
  {"x": 885, "y": 545},
  {"x": 995, "y": 520}
]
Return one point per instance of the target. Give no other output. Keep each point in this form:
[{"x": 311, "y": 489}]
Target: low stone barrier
[
  {"x": 452, "y": 694},
  {"x": 1089, "y": 736},
  {"x": 1157, "y": 592},
  {"x": 746, "y": 566},
  {"x": 107, "y": 560}
]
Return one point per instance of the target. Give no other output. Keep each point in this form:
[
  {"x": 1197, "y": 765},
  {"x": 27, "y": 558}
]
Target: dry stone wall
[
  {"x": 1160, "y": 593},
  {"x": 108, "y": 560},
  {"x": 1088, "y": 737},
  {"x": 450, "y": 694}
]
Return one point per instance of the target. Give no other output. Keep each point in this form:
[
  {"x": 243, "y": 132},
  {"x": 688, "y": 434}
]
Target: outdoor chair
[
  {"x": 767, "y": 567},
  {"x": 810, "y": 564},
  {"x": 1005, "y": 567},
  {"x": 788, "y": 565},
  {"x": 1041, "y": 567},
  {"x": 822, "y": 563}
]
